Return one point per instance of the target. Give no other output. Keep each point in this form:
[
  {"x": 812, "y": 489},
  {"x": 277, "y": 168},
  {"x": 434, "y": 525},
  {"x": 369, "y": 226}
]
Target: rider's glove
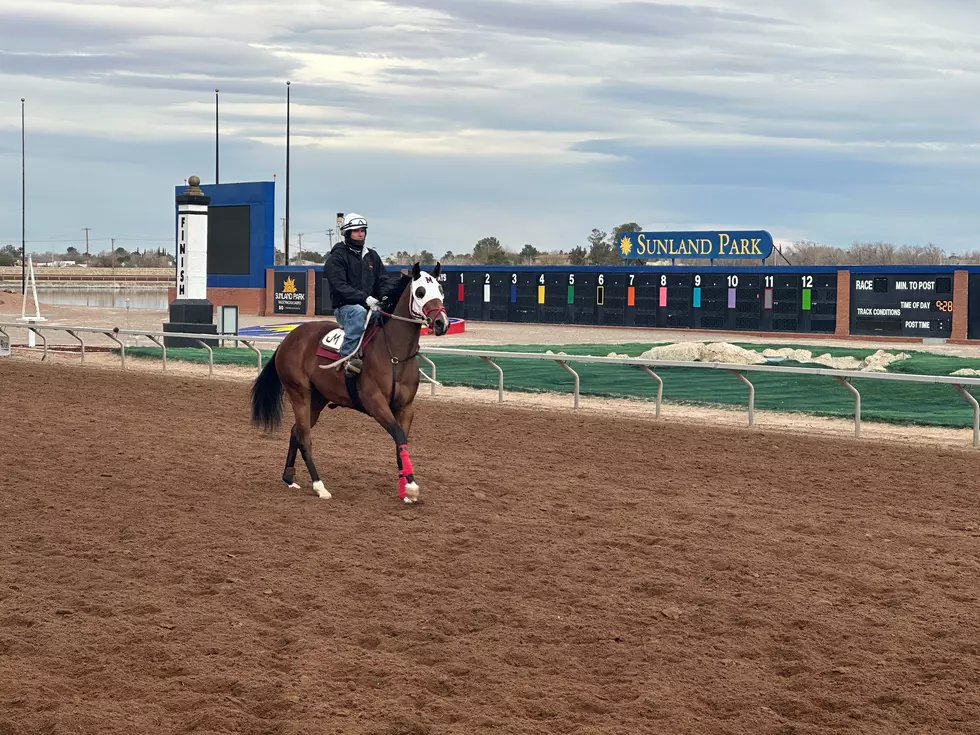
[{"x": 372, "y": 303}]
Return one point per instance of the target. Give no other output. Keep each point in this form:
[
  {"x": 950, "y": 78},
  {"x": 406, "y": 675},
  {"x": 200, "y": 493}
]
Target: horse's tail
[{"x": 267, "y": 397}]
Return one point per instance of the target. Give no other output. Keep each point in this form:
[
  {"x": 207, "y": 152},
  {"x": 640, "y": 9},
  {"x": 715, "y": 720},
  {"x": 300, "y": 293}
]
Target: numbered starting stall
[
  {"x": 926, "y": 302},
  {"x": 643, "y": 296}
]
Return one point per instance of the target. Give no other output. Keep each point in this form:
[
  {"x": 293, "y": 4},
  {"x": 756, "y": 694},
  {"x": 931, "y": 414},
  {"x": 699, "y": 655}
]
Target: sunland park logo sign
[
  {"x": 290, "y": 293},
  {"x": 704, "y": 245}
]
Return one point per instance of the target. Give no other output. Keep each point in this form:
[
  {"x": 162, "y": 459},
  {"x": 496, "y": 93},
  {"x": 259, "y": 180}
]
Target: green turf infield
[{"x": 890, "y": 401}]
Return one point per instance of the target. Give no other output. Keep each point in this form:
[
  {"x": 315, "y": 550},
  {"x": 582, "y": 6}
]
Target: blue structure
[{"x": 241, "y": 232}]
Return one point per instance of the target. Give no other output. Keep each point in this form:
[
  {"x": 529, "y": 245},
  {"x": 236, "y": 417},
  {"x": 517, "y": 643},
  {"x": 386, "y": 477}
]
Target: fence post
[
  {"x": 857, "y": 404},
  {"x": 122, "y": 348},
  {"x": 751, "y": 395},
  {"x": 500, "y": 379},
  {"x": 976, "y": 411},
  {"x": 162, "y": 346},
  {"x": 80, "y": 341},
  {"x": 660, "y": 386},
  {"x": 575, "y": 375},
  {"x": 432, "y": 380}
]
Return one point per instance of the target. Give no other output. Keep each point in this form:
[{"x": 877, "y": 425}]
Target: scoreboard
[
  {"x": 912, "y": 302},
  {"x": 737, "y": 299},
  {"x": 904, "y": 305}
]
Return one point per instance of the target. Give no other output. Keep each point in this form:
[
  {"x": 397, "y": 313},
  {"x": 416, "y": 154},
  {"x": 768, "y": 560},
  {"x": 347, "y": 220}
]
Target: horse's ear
[
  {"x": 416, "y": 271},
  {"x": 436, "y": 270}
]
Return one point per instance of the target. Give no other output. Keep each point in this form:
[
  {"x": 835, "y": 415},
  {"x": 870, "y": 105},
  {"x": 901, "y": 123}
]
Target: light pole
[
  {"x": 23, "y": 204},
  {"x": 286, "y": 231},
  {"x": 216, "y": 179}
]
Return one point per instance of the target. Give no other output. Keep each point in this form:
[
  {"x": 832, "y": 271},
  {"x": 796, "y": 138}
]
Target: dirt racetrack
[{"x": 566, "y": 574}]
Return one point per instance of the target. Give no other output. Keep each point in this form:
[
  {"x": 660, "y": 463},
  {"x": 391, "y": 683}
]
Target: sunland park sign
[
  {"x": 743, "y": 245},
  {"x": 290, "y": 293}
]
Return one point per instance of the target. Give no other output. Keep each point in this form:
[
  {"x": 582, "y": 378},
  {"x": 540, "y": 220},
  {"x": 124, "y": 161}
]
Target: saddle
[{"x": 329, "y": 347}]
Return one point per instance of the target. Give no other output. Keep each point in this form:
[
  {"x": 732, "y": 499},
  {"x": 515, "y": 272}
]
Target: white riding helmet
[{"x": 353, "y": 221}]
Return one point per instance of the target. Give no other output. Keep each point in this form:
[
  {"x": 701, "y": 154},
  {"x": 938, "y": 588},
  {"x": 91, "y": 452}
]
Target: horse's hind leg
[
  {"x": 289, "y": 473},
  {"x": 307, "y": 406}
]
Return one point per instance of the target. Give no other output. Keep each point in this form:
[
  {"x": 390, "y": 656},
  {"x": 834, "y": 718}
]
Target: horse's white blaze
[
  {"x": 411, "y": 492},
  {"x": 431, "y": 290},
  {"x": 321, "y": 490}
]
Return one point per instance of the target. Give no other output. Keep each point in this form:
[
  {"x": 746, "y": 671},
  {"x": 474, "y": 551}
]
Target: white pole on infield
[{"x": 37, "y": 307}]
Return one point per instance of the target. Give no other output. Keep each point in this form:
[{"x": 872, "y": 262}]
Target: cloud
[
  {"x": 820, "y": 118},
  {"x": 590, "y": 20}
]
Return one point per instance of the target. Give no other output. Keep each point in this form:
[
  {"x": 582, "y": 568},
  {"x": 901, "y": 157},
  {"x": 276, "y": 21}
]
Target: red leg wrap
[{"x": 406, "y": 469}]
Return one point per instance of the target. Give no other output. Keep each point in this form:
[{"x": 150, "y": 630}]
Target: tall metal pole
[
  {"x": 23, "y": 204},
  {"x": 286, "y": 235},
  {"x": 216, "y": 179}
]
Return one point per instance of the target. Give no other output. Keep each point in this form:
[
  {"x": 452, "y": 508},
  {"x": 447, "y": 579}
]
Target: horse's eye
[{"x": 420, "y": 292}]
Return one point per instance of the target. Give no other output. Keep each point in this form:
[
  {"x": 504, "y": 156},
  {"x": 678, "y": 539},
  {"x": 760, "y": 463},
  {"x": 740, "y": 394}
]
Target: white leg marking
[
  {"x": 294, "y": 486},
  {"x": 321, "y": 490},
  {"x": 411, "y": 492}
]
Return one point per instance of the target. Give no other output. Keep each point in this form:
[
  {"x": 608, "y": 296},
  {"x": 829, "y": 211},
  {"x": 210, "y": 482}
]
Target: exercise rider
[{"x": 354, "y": 274}]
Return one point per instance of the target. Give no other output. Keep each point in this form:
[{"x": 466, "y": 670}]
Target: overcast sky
[{"x": 443, "y": 121}]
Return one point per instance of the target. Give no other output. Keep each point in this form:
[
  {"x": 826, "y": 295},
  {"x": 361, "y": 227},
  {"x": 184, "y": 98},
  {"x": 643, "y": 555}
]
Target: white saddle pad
[{"x": 333, "y": 339}]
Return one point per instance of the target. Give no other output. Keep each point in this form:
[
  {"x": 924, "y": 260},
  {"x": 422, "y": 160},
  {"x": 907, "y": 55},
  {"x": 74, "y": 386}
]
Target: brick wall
[
  {"x": 250, "y": 301},
  {"x": 961, "y": 304},
  {"x": 311, "y": 293},
  {"x": 270, "y": 291},
  {"x": 843, "y": 327}
]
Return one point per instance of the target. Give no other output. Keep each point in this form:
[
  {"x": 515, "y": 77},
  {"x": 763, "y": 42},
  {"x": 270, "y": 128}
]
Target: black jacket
[{"x": 351, "y": 277}]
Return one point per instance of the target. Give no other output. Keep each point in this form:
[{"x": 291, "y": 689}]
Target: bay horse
[{"x": 307, "y": 367}]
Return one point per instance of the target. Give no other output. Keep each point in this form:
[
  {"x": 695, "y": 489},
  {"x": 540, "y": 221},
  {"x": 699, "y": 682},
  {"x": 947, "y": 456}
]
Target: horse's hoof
[
  {"x": 321, "y": 490},
  {"x": 411, "y": 492},
  {"x": 294, "y": 486}
]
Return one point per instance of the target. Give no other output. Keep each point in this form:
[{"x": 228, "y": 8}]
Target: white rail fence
[{"x": 490, "y": 356}]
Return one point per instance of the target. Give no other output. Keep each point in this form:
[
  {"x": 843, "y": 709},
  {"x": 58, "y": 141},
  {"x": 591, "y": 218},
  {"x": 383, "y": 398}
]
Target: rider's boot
[{"x": 353, "y": 366}]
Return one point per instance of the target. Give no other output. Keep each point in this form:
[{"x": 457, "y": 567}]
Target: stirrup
[{"x": 353, "y": 366}]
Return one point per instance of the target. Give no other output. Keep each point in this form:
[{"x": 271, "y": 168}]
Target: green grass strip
[{"x": 887, "y": 401}]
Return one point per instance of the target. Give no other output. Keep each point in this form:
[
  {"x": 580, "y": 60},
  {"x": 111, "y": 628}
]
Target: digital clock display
[{"x": 914, "y": 305}]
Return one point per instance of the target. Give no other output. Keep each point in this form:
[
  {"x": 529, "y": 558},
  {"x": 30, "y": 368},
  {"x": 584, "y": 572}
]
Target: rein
[
  {"x": 395, "y": 360},
  {"x": 404, "y": 318},
  {"x": 367, "y": 321},
  {"x": 428, "y": 319}
]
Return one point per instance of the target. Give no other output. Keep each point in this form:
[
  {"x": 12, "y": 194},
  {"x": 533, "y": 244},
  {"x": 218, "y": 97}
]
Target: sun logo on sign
[
  {"x": 626, "y": 245},
  {"x": 289, "y": 285}
]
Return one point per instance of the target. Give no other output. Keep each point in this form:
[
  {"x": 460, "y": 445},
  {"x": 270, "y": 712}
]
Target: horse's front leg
[
  {"x": 376, "y": 405},
  {"x": 408, "y": 489}
]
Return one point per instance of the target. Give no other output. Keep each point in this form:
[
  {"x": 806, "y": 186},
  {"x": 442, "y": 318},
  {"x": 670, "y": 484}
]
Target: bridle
[
  {"x": 420, "y": 315},
  {"x": 428, "y": 316}
]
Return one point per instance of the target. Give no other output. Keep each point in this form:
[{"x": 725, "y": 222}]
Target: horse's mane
[{"x": 392, "y": 286}]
